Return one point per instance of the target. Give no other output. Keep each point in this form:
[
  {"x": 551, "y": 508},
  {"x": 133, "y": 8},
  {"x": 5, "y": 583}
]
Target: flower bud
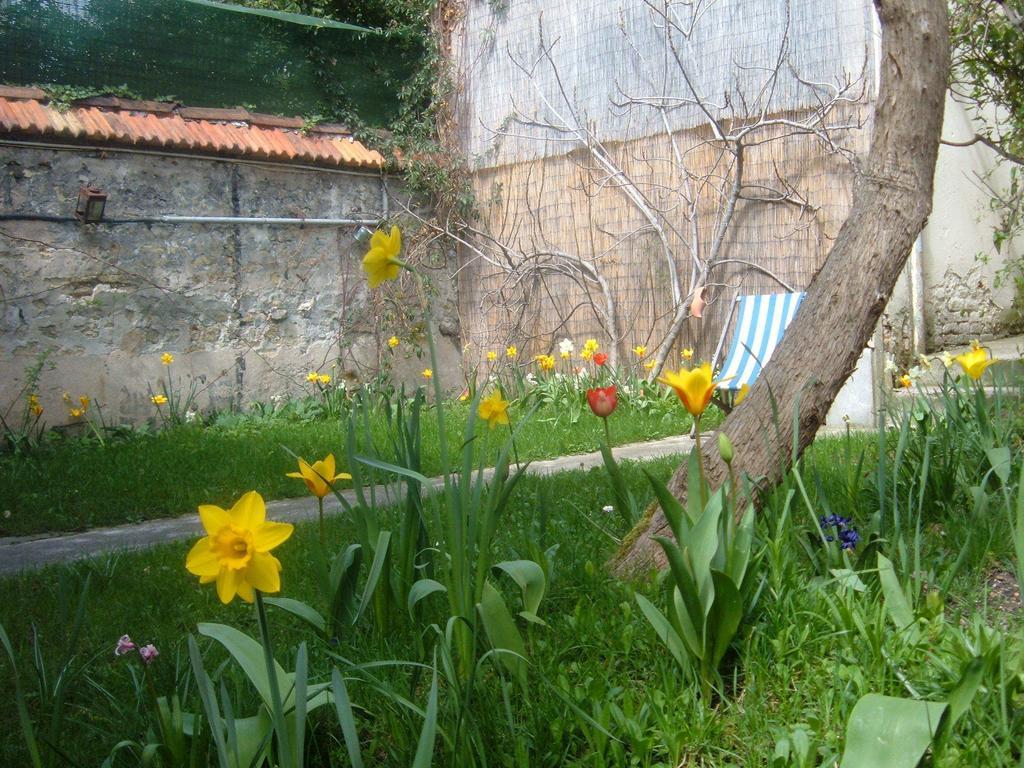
[{"x": 725, "y": 447}]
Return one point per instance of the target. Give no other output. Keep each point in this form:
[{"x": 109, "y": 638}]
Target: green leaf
[
  {"x": 890, "y": 732},
  {"x": 664, "y": 630},
  {"x": 501, "y": 631},
  {"x": 1018, "y": 529},
  {"x": 999, "y": 459},
  {"x": 249, "y": 655},
  {"x": 530, "y": 578},
  {"x": 298, "y": 608},
  {"x": 389, "y": 467},
  {"x": 896, "y": 602},
  {"x": 292, "y": 18},
  {"x": 19, "y": 700},
  {"x": 380, "y": 556},
  {"x": 347, "y": 719},
  {"x": 421, "y": 589},
  {"x": 724, "y": 619},
  {"x": 670, "y": 505},
  {"x": 425, "y": 747}
]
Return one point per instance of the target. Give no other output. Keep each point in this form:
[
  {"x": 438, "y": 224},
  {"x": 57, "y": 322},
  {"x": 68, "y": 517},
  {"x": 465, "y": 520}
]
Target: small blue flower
[{"x": 848, "y": 539}]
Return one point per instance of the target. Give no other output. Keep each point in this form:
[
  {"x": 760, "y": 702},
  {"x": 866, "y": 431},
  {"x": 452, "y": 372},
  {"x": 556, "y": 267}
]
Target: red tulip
[
  {"x": 600, "y": 358},
  {"x": 602, "y": 400}
]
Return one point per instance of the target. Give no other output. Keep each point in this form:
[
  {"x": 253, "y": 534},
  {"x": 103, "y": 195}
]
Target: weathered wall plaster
[{"x": 247, "y": 310}]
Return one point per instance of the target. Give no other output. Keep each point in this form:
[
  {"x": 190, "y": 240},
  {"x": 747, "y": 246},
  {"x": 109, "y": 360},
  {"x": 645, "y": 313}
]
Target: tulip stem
[
  {"x": 323, "y": 537},
  {"x": 607, "y": 432},
  {"x": 277, "y": 713},
  {"x": 700, "y": 461}
]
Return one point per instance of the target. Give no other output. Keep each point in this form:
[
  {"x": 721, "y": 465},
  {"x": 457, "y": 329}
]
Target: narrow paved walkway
[{"x": 26, "y": 552}]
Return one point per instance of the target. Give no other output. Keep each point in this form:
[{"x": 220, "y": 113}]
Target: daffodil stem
[
  {"x": 277, "y": 706},
  {"x": 515, "y": 451}
]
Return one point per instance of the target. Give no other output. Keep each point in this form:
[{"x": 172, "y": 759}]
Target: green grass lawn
[
  {"x": 79, "y": 484},
  {"x": 603, "y": 690}
]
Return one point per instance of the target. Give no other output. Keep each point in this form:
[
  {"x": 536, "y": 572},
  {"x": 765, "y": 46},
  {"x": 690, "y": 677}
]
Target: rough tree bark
[{"x": 891, "y": 202}]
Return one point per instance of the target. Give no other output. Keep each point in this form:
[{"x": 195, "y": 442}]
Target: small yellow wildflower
[
  {"x": 393, "y": 342},
  {"x": 511, "y": 351},
  {"x": 428, "y": 374},
  {"x": 166, "y": 358},
  {"x": 158, "y": 400}
]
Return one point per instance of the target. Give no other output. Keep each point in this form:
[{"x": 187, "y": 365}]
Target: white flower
[
  {"x": 566, "y": 347},
  {"x": 531, "y": 378},
  {"x": 924, "y": 362},
  {"x": 608, "y": 509},
  {"x": 947, "y": 359},
  {"x": 890, "y": 366},
  {"x": 190, "y": 416}
]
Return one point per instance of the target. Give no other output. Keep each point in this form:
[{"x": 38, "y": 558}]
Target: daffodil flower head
[
  {"x": 236, "y": 550},
  {"x": 494, "y": 409},
  {"x": 166, "y": 358},
  {"x": 640, "y": 351},
  {"x": 158, "y": 399},
  {"x": 323, "y": 379},
  {"x": 393, "y": 342},
  {"x": 428, "y": 374},
  {"x": 687, "y": 354},
  {"x": 381, "y": 262},
  {"x": 976, "y": 361},
  {"x": 694, "y": 388},
  {"x": 511, "y": 351},
  {"x": 312, "y": 376},
  {"x": 492, "y": 356},
  {"x": 320, "y": 475}
]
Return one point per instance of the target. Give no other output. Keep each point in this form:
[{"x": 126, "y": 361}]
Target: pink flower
[
  {"x": 124, "y": 645},
  {"x": 603, "y": 400},
  {"x": 148, "y": 652}
]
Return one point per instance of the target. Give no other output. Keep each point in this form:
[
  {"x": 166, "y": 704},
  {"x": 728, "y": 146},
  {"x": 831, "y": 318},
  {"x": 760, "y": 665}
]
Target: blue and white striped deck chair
[{"x": 760, "y": 323}]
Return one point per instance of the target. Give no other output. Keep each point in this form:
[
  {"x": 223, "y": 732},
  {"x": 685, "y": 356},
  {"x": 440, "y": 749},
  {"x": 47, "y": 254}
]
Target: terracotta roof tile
[{"x": 25, "y": 113}]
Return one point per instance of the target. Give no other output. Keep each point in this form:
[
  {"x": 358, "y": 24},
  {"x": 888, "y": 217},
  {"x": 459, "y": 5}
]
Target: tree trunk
[{"x": 891, "y": 201}]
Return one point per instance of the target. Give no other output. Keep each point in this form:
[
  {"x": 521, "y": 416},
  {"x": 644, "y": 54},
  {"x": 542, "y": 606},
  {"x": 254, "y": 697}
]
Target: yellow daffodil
[
  {"x": 694, "y": 388},
  {"x": 649, "y": 365},
  {"x": 312, "y": 376},
  {"x": 236, "y": 550},
  {"x": 687, "y": 354},
  {"x": 323, "y": 379},
  {"x": 381, "y": 262},
  {"x": 492, "y": 356},
  {"x": 640, "y": 351},
  {"x": 976, "y": 361},
  {"x": 586, "y": 354},
  {"x": 565, "y": 355},
  {"x": 741, "y": 394},
  {"x": 76, "y": 413},
  {"x": 393, "y": 342},
  {"x": 428, "y": 374},
  {"x": 85, "y": 402},
  {"x": 511, "y": 351},
  {"x": 33, "y": 405},
  {"x": 319, "y": 476},
  {"x": 545, "y": 362},
  {"x": 905, "y": 382},
  {"x": 494, "y": 409},
  {"x": 166, "y": 358},
  {"x": 158, "y": 400},
  {"x": 590, "y": 346}
]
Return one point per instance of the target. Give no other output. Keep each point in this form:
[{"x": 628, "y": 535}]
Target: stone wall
[{"x": 247, "y": 310}]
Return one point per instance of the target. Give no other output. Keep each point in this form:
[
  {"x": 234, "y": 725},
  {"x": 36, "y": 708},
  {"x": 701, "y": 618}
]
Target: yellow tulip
[
  {"x": 649, "y": 365},
  {"x": 381, "y": 262},
  {"x": 236, "y": 550},
  {"x": 158, "y": 399},
  {"x": 694, "y": 388},
  {"x": 741, "y": 394},
  {"x": 976, "y": 361},
  {"x": 319, "y": 476},
  {"x": 494, "y": 409},
  {"x": 640, "y": 351}
]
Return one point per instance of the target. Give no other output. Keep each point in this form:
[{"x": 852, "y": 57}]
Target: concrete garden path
[{"x": 21, "y": 553}]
